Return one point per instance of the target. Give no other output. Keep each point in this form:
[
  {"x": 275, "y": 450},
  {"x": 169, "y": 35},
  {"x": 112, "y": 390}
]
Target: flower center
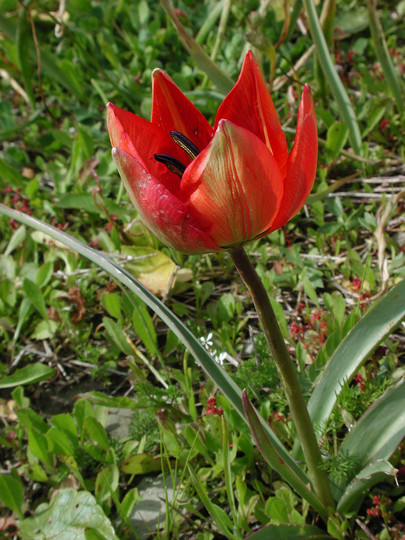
[{"x": 173, "y": 164}]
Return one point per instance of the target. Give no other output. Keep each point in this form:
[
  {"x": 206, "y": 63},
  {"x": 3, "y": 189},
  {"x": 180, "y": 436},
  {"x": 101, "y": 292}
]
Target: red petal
[
  {"x": 172, "y": 111},
  {"x": 249, "y": 105},
  {"x": 235, "y": 184},
  {"x": 142, "y": 140},
  {"x": 301, "y": 165},
  {"x": 167, "y": 217}
]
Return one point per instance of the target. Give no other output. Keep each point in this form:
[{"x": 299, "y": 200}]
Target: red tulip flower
[{"x": 203, "y": 189}]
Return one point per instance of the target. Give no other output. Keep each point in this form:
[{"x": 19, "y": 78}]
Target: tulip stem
[{"x": 288, "y": 374}]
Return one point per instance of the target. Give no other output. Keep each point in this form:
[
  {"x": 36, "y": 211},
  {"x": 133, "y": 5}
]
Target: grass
[{"x": 85, "y": 348}]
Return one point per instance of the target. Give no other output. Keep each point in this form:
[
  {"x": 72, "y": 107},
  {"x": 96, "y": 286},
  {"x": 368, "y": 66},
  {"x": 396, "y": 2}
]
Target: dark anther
[
  {"x": 185, "y": 143},
  {"x": 173, "y": 164}
]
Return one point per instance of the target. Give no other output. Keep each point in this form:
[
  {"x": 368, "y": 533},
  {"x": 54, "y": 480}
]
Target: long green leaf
[
  {"x": 214, "y": 511},
  {"x": 375, "y": 472},
  {"x": 368, "y": 333},
  {"x": 383, "y": 55},
  {"x": 380, "y": 430},
  {"x": 220, "y": 377},
  {"x": 342, "y": 99},
  {"x": 272, "y": 457},
  {"x": 27, "y": 375}
]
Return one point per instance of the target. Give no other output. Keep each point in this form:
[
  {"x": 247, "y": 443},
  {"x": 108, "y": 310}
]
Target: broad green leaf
[
  {"x": 11, "y": 493},
  {"x": 354, "y": 350},
  {"x": 380, "y": 430},
  {"x": 17, "y": 237},
  {"x": 270, "y": 454},
  {"x": 220, "y": 377},
  {"x": 85, "y": 201},
  {"x": 32, "y": 420},
  {"x": 44, "y": 274},
  {"x": 117, "y": 336},
  {"x": 335, "y": 140},
  {"x": 289, "y": 532},
  {"x": 153, "y": 268},
  {"x": 375, "y": 472},
  {"x": 119, "y": 402},
  {"x": 112, "y": 303},
  {"x": 96, "y": 432},
  {"x": 33, "y": 292},
  {"x": 128, "y": 502},
  {"x": 141, "y": 464},
  {"x": 27, "y": 375},
  {"x": 67, "y": 517},
  {"x": 38, "y": 445},
  {"x": 106, "y": 483}
]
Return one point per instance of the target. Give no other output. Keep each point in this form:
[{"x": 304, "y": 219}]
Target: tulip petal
[
  {"x": 301, "y": 165},
  {"x": 167, "y": 217},
  {"x": 172, "y": 111},
  {"x": 235, "y": 184},
  {"x": 250, "y": 106},
  {"x": 142, "y": 140}
]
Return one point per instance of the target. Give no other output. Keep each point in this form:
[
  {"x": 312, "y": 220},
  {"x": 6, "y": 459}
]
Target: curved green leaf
[
  {"x": 375, "y": 472},
  {"x": 380, "y": 430},
  {"x": 270, "y": 454},
  {"x": 220, "y": 377},
  {"x": 27, "y": 375},
  {"x": 368, "y": 333}
]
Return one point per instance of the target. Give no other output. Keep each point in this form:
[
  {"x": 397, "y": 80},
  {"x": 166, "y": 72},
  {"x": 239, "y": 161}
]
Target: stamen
[
  {"x": 173, "y": 164},
  {"x": 185, "y": 143}
]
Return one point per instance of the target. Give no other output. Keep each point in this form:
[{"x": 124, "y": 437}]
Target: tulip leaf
[
  {"x": 353, "y": 351},
  {"x": 382, "y": 426},
  {"x": 221, "y": 378},
  {"x": 273, "y": 458},
  {"x": 375, "y": 472},
  {"x": 283, "y": 531}
]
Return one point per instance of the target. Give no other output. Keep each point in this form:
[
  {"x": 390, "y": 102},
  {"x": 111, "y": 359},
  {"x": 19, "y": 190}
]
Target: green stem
[{"x": 288, "y": 374}]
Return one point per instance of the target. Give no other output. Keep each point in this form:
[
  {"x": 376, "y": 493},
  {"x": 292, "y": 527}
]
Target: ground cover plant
[{"x": 123, "y": 360}]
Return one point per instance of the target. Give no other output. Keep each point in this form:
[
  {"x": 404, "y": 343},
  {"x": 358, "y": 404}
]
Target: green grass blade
[
  {"x": 221, "y": 80},
  {"x": 342, "y": 99},
  {"x": 383, "y": 54},
  {"x": 220, "y": 377},
  {"x": 214, "y": 511},
  {"x": 368, "y": 333}
]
